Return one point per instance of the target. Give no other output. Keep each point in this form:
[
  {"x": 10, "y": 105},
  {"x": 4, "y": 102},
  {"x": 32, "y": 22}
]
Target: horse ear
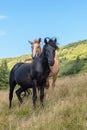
[
  {"x": 45, "y": 41},
  {"x": 39, "y": 40},
  {"x": 55, "y": 40},
  {"x": 30, "y": 42}
]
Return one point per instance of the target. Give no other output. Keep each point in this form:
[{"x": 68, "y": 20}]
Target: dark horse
[{"x": 31, "y": 75}]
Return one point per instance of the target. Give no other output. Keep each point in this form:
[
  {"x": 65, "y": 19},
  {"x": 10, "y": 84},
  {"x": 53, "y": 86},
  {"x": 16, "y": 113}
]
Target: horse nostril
[{"x": 51, "y": 63}]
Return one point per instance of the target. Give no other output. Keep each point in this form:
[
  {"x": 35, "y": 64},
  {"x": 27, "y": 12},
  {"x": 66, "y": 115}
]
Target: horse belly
[
  {"x": 24, "y": 79},
  {"x": 27, "y": 83}
]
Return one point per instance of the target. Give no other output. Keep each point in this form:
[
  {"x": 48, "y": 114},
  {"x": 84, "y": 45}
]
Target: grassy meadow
[{"x": 65, "y": 108}]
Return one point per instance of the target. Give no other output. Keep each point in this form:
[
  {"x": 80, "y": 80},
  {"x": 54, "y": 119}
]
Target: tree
[{"x": 4, "y": 73}]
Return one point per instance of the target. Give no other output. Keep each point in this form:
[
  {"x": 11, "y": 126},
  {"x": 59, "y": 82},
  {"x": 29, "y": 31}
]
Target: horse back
[{"x": 13, "y": 70}]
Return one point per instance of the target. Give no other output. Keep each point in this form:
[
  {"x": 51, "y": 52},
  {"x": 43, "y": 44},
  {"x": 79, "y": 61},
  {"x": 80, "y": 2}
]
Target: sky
[{"x": 23, "y": 20}]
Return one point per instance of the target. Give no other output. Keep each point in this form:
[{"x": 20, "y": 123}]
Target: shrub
[
  {"x": 4, "y": 73},
  {"x": 71, "y": 67}
]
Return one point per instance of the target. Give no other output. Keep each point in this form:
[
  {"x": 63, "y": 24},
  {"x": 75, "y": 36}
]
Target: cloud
[
  {"x": 2, "y": 33},
  {"x": 3, "y": 17}
]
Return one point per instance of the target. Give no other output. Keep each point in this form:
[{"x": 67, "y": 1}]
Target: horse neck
[
  {"x": 44, "y": 62},
  {"x": 43, "y": 57}
]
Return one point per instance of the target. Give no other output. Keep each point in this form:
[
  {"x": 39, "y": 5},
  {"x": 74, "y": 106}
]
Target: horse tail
[
  {"x": 12, "y": 84},
  {"x": 12, "y": 81}
]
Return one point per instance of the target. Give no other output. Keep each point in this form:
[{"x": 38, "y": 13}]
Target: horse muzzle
[{"x": 51, "y": 63}]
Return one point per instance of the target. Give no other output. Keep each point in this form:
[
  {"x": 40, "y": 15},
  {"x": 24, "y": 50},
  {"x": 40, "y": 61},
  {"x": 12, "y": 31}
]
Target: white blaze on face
[{"x": 34, "y": 50}]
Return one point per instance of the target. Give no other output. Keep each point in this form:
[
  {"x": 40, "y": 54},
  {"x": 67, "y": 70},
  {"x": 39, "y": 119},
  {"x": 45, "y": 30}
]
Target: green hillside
[
  {"x": 12, "y": 61},
  {"x": 73, "y": 58},
  {"x": 71, "y": 51}
]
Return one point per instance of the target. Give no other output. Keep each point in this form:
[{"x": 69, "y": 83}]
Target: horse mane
[{"x": 51, "y": 41}]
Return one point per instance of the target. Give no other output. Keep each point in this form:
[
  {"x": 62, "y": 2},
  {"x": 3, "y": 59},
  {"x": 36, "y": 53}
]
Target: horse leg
[
  {"x": 28, "y": 92},
  {"x": 24, "y": 94},
  {"x": 47, "y": 87},
  {"x": 47, "y": 84},
  {"x": 42, "y": 95},
  {"x": 54, "y": 80},
  {"x": 34, "y": 95},
  {"x": 12, "y": 86},
  {"x": 18, "y": 93}
]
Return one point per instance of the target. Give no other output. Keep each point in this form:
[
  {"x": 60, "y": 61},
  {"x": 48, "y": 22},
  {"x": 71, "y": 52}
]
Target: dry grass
[{"x": 65, "y": 108}]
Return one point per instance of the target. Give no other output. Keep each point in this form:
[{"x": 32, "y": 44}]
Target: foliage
[
  {"x": 4, "y": 73},
  {"x": 71, "y": 67},
  {"x": 73, "y": 58}
]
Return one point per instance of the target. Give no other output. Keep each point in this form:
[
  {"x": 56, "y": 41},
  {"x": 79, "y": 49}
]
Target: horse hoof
[
  {"x": 34, "y": 107},
  {"x": 42, "y": 106}
]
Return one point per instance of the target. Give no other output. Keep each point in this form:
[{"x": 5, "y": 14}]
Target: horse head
[
  {"x": 49, "y": 49},
  {"x": 36, "y": 48}
]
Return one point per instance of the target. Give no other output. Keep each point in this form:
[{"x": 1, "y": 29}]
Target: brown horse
[{"x": 36, "y": 51}]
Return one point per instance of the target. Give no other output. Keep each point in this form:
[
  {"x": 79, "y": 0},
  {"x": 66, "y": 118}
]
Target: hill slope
[
  {"x": 73, "y": 58},
  {"x": 72, "y": 50},
  {"x": 12, "y": 61},
  {"x": 68, "y": 56}
]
